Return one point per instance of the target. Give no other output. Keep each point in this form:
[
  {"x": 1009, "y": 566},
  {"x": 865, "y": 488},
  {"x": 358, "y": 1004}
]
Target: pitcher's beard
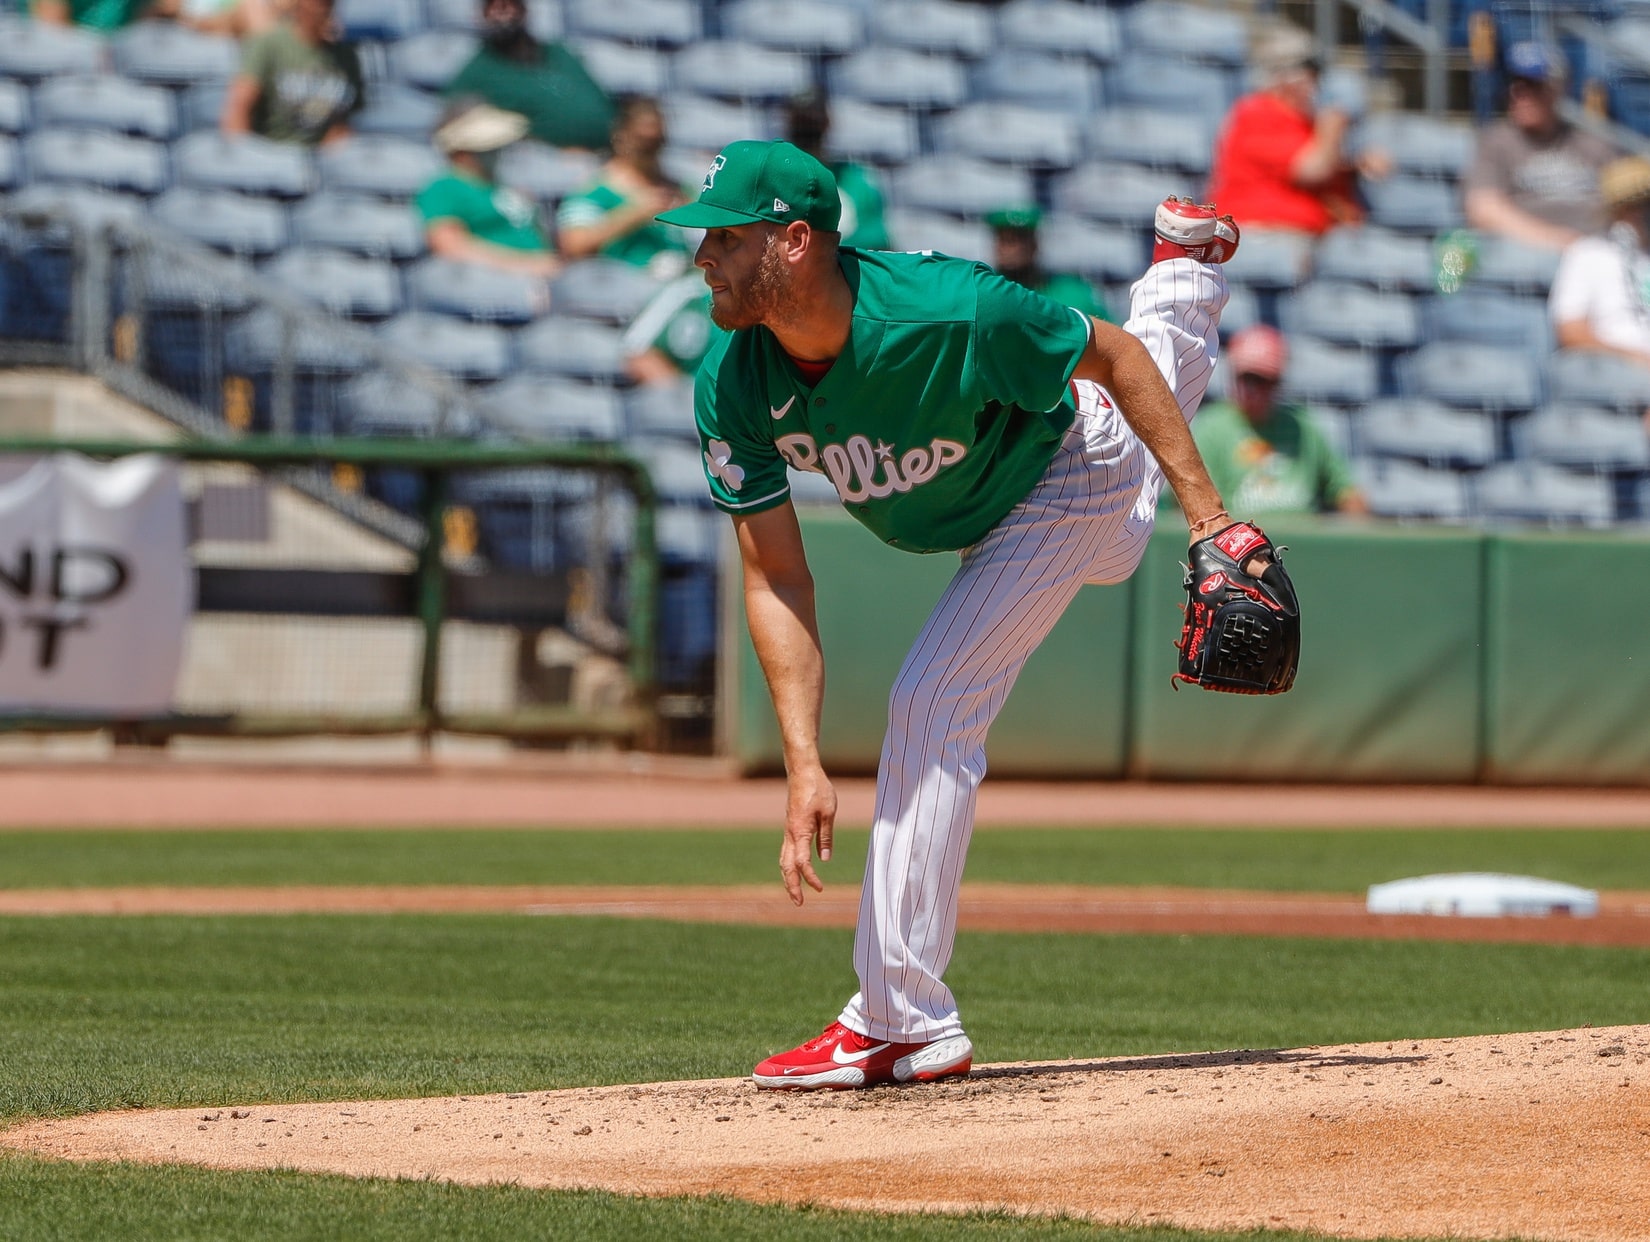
[{"x": 762, "y": 300}]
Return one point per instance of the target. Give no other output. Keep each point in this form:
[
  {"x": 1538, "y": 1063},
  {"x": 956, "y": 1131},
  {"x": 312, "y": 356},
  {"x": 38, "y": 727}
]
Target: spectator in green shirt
[
  {"x": 468, "y": 216},
  {"x": 1014, "y": 255},
  {"x": 1266, "y": 456},
  {"x": 670, "y": 336},
  {"x": 613, "y": 215},
  {"x": 544, "y": 82},
  {"x": 92, "y": 14},
  {"x": 807, "y": 121},
  {"x": 297, "y": 83}
]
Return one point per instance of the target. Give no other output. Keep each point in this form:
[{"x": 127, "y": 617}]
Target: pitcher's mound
[{"x": 1541, "y": 1135}]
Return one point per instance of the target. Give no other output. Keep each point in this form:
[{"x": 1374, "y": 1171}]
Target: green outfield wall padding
[
  {"x": 1390, "y": 676},
  {"x": 1066, "y": 716},
  {"x": 1569, "y": 671}
]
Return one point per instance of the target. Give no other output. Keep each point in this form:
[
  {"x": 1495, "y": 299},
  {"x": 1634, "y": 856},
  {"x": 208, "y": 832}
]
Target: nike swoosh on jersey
[
  {"x": 781, "y": 410},
  {"x": 853, "y": 1058}
]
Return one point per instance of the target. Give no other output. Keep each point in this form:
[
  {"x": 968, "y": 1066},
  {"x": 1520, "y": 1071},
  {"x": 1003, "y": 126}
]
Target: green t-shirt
[
  {"x": 661, "y": 248},
  {"x": 563, "y": 104},
  {"x": 942, "y": 412},
  {"x": 677, "y": 323},
  {"x": 490, "y": 212},
  {"x": 1284, "y": 465},
  {"x": 862, "y": 224},
  {"x": 1075, "y": 292},
  {"x": 303, "y": 91},
  {"x": 106, "y": 14}
]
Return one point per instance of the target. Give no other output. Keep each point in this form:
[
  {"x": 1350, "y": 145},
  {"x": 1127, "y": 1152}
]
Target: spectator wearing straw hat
[
  {"x": 1600, "y": 299},
  {"x": 468, "y": 215},
  {"x": 1270, "y": 456}
]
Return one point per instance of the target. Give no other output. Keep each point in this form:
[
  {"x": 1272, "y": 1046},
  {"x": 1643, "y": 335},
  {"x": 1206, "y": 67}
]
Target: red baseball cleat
[
  {"x": 840, "y": 1059},
  {"x": 1188, "y": 230}
]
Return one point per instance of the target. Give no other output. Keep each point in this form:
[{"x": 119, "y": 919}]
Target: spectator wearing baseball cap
[
  {"x": 468, "y": 216},
  {"x": 1600, "y": 299},
  {"x": 1015, "y": 254},
  {"x": 1265, "y": 455},
  {"x": 1534, "y": 177},
  {"x": 1281, "y": 160}
]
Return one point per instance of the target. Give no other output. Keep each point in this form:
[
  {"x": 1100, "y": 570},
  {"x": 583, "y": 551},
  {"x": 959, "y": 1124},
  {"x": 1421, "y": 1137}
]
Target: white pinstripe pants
[{"x": 1087, "y": 521}]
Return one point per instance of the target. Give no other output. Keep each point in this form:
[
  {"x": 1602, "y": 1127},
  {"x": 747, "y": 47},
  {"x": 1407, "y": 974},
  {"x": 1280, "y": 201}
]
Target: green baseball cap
[{"x": 753, "y": 181}]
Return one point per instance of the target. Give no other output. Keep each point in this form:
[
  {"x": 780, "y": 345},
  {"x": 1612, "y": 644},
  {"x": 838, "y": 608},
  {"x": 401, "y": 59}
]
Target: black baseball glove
[{"x": 1242, "y": 633}]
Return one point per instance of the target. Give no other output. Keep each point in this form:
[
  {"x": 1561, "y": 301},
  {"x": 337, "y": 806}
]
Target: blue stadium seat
[
  {"x": 1061, "y": 27},
  {"x": 479, "y": 294},
  {"x": 1420, "y": 145},
  {"x": 1584, "y": 437},
  {"x": 432, "y": 59},
  {"x": 1427, "y": 431},
  {"x": 1099, "y": 252},
  {"x": 360, "y": 225},
  {"x": 1038, "y": 80},
  {"x": 87, "y": 208},
  {"x": 88, "y": 157},
  {"x": 233, "y": 223},
  {"x": 581, "y": 348},
  {"x": 1490, "y": 317},
  {"x": 343, "y": 283},
  {"x": 604, "y": 289},
  {"x": 796, "y": 26},
  {"x": 1011, "y": 133},
  {"x": 1329, "y": 374},
  {"x": 625, "y": 70},
  {"x": 383, "y": 403},
  {"x": 172, "y": 55},
  {"x": 662, "y": 410},
  {"x": 477, "y": 352},
  {"x": 959, "y": 185},
  {"x": 1270, "y": 259},
  {"x": 381, "y": 21},
  {"x": 398, "y": 110},
  {"x": 1413, "y": 205},
  {"x": 668, "y": 23},
  {"x": 1506, "y": 264},
  {"x": 1185, "y": 31},
  {"x": 735, "y": 70},
  {"x": 201, "y": 106},
  {"x": 546, "y": 172},
  {"x": 322, "y": 360},
  {"x": 689, "y": 535},
  {"x": 928, "y": 230},
  {"x": 1242, "y": 310},
  {"x": 1349, "y": 314},
  {"x": 1154, "y": 138},
  {"x": 1124, "y": 193},
  {"x": 811, "y": 488},
  {"x": 16, "y": 114},
  {"x": 677, "y": 469},
  {"x": 33, "y": 51},
  {"x": 1583, "y": 377},
  {"x": 394, "y": 168},
  {"x": 704, "y": 124},
  {"x": 1464, "y": 373},
  {"x": 887, "y": 75},
  {"x": 1375, "y": 257},
  {"x": 187, "y": 311},
  {"x": 11, "y": 163},
  {"x": 1401, "y": 489},
  {"x": 1336, "y": 426},
  {"x": 538, "y": 407},
  {"x": 1535, "y": 491},
  {"x": 104, "y": 101},
  {"x": 943, "y": 27},
  {"x": 245, "y": 162},
  {"x": 871, "y": 132},
  {"x": 1171, "y": 85}
]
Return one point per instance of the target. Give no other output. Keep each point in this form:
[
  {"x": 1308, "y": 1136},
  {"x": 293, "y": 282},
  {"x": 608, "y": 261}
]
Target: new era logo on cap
[{"x": 755, "y": 181}]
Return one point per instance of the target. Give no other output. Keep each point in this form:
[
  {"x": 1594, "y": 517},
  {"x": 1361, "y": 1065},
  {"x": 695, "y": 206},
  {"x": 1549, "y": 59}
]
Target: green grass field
[
  {"x": 1295, "y": 860},
  {"x": 99, "y": 1013}
]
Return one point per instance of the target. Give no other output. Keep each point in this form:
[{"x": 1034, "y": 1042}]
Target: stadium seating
[
  {"x": 34, "y": 51},
  {"x": 476, "y": 352},
  {"x": 740, "y": 71},
  {"x": 1011, "y": 133},
  {"x": 1349, "y": 314},
  {"x": 1038, "y": 80},
  {"x": 1462, "y": 373},
  {"x": 345, "y": 284},
  {"x": 1428, "y": 432},
  {"x": 1156, "y": 139},
  {"x": 1062, "y": 27},
  {"x": 358, "y": 224},
  {"x": 244, "y": 162},
  {"x": 476, "y": 293},
  {"x": 796, "y": 26},
  {"x": 543, "y": 408},
  {"x": 102, "y": 101},
  {"x": 1402, "y": 489},
  {"x": 944, "y": 27},
  {"x": 233, "y": 223},
  {"x": 578, "y": 348}
]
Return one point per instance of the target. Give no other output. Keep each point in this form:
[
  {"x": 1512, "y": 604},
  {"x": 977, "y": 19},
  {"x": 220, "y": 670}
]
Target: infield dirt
[{"x": 1542, "y": 1135}]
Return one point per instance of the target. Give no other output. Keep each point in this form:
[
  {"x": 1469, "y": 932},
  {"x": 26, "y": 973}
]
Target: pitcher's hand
[{"x": 810, "y": 819}]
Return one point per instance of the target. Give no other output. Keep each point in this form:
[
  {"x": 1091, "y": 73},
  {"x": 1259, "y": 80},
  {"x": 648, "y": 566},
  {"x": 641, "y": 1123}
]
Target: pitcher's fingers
[
  {"x": 793, "y": 886},
  {"x": 813, "y": 880},
  {"x": 827, "y": 826}
]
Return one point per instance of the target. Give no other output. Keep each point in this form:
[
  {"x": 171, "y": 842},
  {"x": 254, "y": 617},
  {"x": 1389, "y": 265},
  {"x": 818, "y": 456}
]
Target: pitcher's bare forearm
[{"x": 1120, "y": 364}]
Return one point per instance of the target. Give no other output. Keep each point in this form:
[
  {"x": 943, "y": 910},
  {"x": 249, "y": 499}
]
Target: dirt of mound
[{"x": 1542, "y": 1136}]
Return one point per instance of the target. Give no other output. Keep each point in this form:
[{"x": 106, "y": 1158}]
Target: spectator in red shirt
[{"x": 1281, "y": 160}]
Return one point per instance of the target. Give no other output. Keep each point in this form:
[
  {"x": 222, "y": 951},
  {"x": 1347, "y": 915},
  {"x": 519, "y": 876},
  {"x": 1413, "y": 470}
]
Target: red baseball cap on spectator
[{"x": 1258, "y": 350}]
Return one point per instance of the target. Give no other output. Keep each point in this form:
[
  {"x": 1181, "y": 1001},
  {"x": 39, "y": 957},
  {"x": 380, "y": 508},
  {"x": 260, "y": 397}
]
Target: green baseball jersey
[
  {"x": 1284, "y": 465},
  {"x": 662, "y": 248},
  {"x": 863, "y": 225},
  {"x": 1075, "y": 292},
  {"x": 942, "y": 412},
  {"x": 563, "y": 104},
  {"x": 676, "y": 322},
  {"x": 491, "y": 213}
]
